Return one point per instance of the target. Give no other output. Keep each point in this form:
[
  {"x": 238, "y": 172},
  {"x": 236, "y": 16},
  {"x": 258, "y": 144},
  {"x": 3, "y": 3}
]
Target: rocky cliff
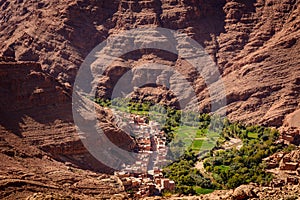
[
  {"x": 26, "y": 172},
  {"x": 40, "y": 148},
  {"x": 254, "y": 43}
]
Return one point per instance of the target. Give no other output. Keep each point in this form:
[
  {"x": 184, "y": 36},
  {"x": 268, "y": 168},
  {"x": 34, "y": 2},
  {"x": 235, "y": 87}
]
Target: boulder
[{"x": 244, "y": 192}]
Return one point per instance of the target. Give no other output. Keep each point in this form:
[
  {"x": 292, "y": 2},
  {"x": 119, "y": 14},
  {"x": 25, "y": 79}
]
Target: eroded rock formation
[
  {"x": 254, "y": 43},
  {"x": 37, "y": 131}
]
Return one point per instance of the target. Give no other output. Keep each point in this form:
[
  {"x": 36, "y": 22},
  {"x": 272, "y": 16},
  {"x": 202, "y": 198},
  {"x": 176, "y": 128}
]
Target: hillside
[{"x": 254, "y": 43}]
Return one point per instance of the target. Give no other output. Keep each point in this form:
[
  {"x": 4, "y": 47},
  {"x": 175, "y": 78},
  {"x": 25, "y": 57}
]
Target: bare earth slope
[
  {"x": 39, "y": 148},
  {"x": 27, "y": 171}
]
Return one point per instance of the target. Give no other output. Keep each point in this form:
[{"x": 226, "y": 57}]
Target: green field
[
  {"x": 186, "y": 132},
  {"x": 195, "y": 138},
  {"x": 208, "y": 144},
  {"x": 252, "y": 135},
  {"x": 201, "y": 133},
  {"x": 223, "y": 167},
  {"x": 200, "y": 190},
  {"x": 197, "y": 144}
]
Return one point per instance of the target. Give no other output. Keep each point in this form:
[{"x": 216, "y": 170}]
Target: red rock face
[
  {"x": 37, "y": 108},
  {"x": 37, "y": 136},
  {"x": 27, "y": 92},
  {"x": 255, "y": 43},
  {"x": 25, "y": 85}
]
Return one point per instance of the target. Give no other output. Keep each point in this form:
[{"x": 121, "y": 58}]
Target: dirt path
[
  {"x": 200, "y": 166},
  {"x": 233, "y": 142}
]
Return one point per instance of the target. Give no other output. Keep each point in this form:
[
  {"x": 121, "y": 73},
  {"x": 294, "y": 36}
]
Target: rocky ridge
[
  {"x": 37, "y": 108},
  {"x": 40, "y": 149}
]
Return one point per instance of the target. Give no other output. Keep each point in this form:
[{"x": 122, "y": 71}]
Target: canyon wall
[
  {"x": 254, "y": 43},
  {"x": 40, "y": 148}
]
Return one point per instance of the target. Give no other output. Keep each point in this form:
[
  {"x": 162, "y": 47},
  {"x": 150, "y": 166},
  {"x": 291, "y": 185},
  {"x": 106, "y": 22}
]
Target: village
[{"x": 144, "y": 177}]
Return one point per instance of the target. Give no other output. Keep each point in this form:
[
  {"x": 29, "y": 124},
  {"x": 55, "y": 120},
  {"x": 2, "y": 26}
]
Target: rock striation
[
  {"x": 254, "y": 43},
  {"x": 40, "y": 148}
]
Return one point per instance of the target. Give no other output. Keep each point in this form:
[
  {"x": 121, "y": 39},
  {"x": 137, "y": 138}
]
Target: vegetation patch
[
  {"x": 228, "y": 168},
  {"x": 234, "y": 167},
  {"x": 200, "y": 190},
  {"x": 188, "y": 179}
]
